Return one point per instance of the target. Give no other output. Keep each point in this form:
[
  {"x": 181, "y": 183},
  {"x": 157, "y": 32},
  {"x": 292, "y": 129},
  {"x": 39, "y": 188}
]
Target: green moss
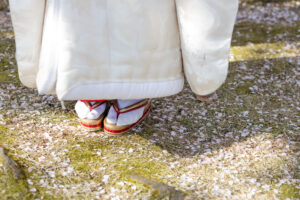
[
  {"x": 86, "y": 160},
  {"x": 44, "y": 193},
  {"x": 7, "y": 49},
  {"x": 81, "y": 153},
  {"x": 143, "y": 167},
  {"x": 267, "y": 41},
  {"x": 140, "y": 166},
  {"x": 79, "y": 159},
  {"x": 289, "y": 191},
  {"x": 4, "y": 63},
  {"x": 7, "y": 46},
  {"x": 7, "y": 137},
  {"x": 262, "y": 51},
  {"x": 243, "y": 89},
  {"x": 13, "y": 189},
  {"x": 4, "y": 77},
  {"x": 3, "y": 129},
  {"x": 6, "y": 34},
  {"x": 120, "y": 166},
  {"x": 263, "y": 1},
  {"x": 19, "y": 189},
  {"x": 252, "y": 32}
]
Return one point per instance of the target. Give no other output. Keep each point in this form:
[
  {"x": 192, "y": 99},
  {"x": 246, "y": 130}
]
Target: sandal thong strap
[
  {"x": 95, "y": 105},
  {"x": 130, "y": 108}
]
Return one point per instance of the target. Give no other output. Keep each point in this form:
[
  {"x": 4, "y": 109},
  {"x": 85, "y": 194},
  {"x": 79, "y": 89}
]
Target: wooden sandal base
[
  {"x": 115, "y": 130},
  {"x": 93, "y": 124}
]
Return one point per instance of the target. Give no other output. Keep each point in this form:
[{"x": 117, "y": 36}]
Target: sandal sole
[
  {"x": 93, "y": 125},
  {"x": 90, "y": 127}
]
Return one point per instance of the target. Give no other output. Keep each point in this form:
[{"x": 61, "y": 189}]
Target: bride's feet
[
  {"x": 123, "y": 115},
  {"x": 91, "y": 113}
]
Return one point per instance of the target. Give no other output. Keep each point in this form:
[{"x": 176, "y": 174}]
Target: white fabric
[
  {"x": 69, "y": 46},
  {"x": 27, "y": 17},
  {"x": 125, "y": 118},
  {"x": 206, "y": 29},
  {"x": 126, "y": 90},
  {"x": 84, "y": 112},
  {"x": 50, "y": 50}
]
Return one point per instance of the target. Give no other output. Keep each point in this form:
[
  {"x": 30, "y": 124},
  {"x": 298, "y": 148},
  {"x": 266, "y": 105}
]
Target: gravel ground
[{"x": 242, "y": 145}]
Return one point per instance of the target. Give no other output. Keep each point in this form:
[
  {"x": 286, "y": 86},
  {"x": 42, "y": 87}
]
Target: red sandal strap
[
  {"x": 130, "y": 108},
  {"x": 95, "y": 105}
]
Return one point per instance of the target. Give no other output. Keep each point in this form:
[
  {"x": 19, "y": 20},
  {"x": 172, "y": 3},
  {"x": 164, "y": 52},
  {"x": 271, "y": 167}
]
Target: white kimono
[{"x": 122, "y": 49}]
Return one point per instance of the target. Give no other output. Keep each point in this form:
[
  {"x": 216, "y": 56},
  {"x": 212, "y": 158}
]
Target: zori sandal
[
  {"x": 91, "y": 113},
  {"x": 142, "y": 108}
]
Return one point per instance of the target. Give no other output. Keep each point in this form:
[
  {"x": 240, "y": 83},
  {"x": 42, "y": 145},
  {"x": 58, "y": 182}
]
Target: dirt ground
[{"x": 243, "y": 145}]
